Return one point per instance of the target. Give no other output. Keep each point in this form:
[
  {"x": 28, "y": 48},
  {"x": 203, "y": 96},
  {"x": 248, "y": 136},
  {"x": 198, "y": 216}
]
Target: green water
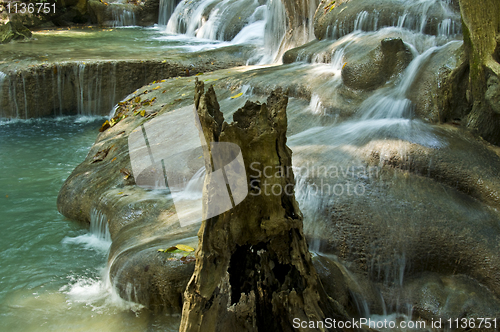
[
  {"x": 51, "y": 268},
  {"x": 80, "y": 44}
]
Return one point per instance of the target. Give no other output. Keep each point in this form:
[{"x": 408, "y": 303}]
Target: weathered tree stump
[{"x": 253, "y": 268}]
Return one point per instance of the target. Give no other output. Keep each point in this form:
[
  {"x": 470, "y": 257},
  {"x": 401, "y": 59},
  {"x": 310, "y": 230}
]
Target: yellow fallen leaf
[
  {"x": 163, "y": 81},
  {"x": 143, "y": 113},
  {"x": 104, "y": 126},
  {"x": 184, "y": 247},
  {"x": 137, "y": 99},
  {"x": 164, "y": 61},
  {"x": 121, "y": 192},
  {"x": 161, "y": 250},
  {"x": 237, "y": 96},
  {"x": 157, "y": 87},
  {"x": 344, "y": 65},
  {"x": 113, "y": 159}
]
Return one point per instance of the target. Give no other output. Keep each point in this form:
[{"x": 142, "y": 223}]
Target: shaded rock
[
  {"x": 372, "y": 70},
  {"x": 13, "y": 30},
  {"x": 492, "y": 95},
  {"x": 65, "y": 13},
  {"x": 121, "y": 14}
]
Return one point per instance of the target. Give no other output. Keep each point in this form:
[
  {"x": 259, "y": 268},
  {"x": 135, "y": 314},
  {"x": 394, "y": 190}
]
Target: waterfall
[
  {"x": 414, "y": 15},
  {"x": 25, "y": 96},
  {"x": 122, "y": 16},
  {"x": 238, "y": 21},
  {"x": 13, "y": 96},
  {"x": 3, "y": 77},
  {"x": 275, "y": 29},
  {"x": 393, "y": 104},
  {"x": 213, "y": 19},
  {"x": 99, "y": 225},
  {"x": 167, "y": 7},
  {"x": 361, "y": 21}
]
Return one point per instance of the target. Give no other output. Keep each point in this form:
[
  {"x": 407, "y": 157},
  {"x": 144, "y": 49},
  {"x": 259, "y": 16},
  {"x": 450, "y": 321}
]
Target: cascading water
[
  {"x": 275, "y": 30},
  {"x": 212, "y": 19},
  {"x": 167, "y": 8},
  {"x": 99, "y": 225},
  {"x": 420, "y": 16},
  {"x": 241, "y": 22},
  {"x": 386, "y": 114},
  {"x": 98, "y": 237},
  {"x": 121, "y": 16},
  {"x": 3, "y": 77}
]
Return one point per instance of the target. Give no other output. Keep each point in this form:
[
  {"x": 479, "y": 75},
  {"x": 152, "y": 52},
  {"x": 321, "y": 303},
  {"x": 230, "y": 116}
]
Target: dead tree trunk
[
  {"x": 476, "y": 83},
  {"x": 253, "y": 268}
]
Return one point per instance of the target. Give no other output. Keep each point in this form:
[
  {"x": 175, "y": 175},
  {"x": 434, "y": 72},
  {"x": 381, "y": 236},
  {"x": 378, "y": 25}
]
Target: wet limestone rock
[
  {"x": 13, "y": 30},
  {"x": 372, "y": 70},
  {"x": 253, "y": 268}
]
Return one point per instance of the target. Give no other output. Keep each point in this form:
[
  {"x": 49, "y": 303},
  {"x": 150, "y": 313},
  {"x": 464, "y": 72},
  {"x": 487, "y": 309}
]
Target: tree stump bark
[
  {"x": 253, "y": 268},
  {"x": 481, "y": 26}
]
